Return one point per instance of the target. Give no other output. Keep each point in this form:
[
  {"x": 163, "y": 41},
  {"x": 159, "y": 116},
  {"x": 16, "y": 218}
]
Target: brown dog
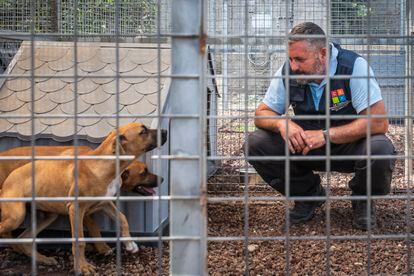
[
  {"x": 136, "y": 178},
  {"x": 7, "y": 166},
  {"x": 55, "y": 178}
]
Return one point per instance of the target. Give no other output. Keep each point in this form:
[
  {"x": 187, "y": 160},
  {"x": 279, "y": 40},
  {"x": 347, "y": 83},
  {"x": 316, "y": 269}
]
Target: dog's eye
[
  {"x": 144, "y": 172},
  {"x": 144, "y": 130}
]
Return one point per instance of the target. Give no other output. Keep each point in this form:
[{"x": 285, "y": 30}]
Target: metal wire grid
[
  {"x": 15, "y": 15},
  {"x": 8, "y": 48},
  {"x": 267, "y": 52},
  {"x": 56, "y": 17},
  {"x": 135, "y": 17},
  {"x": 154, "y": 28},
  {"x": 350, "y": 17},
  {"x": 245, "y": 81},
  {"x": 248, "y": 49}
]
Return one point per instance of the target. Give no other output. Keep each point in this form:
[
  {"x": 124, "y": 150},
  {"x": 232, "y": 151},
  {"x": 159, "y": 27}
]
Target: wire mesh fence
[
  {"x": 94, "y": 18},
  {"x": 71, "y": 96},
  {"x": 249, "y": 42},
  {"x": 17, "y": 16},
  {"x": 73, "y": 70}
]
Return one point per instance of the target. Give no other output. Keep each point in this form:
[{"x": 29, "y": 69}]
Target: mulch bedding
[{"x": 328, "y": 243}]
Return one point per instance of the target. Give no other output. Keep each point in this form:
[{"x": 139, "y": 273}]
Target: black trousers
[{"x": 303, "y": 180}]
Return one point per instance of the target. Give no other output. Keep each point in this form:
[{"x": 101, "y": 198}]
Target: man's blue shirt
[{"x": 276, "y": 93}]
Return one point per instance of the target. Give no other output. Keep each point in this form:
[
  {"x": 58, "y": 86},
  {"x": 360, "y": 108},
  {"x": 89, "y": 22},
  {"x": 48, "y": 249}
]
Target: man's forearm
[
  {"x": 356, "y": 130},
  {"x": 271, "y": 124}
]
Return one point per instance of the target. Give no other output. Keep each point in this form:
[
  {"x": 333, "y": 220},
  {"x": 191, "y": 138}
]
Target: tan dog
[
  {"x": 55, "y": 178},
  {"x": 136, "y": 178},
  {"x": 7, "y": 166}
]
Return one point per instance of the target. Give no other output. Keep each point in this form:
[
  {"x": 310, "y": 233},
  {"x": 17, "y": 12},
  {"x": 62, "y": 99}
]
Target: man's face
[{"x": 305, "y": 59}]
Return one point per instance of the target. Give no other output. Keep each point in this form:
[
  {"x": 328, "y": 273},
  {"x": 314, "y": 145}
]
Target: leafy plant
[
  {"x": 99, "y": 17},
  {"x": 349, "y": 17},
  {"x": 16, "y": 15},
  {"x": 92, "y": 16}
]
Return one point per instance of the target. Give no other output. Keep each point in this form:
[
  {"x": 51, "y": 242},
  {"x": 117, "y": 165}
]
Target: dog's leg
[
  {"x": 16, "y": 247},
  {"x": 111, "y": 210},
  {"x": 95, "y": 232},
  {"x": 26, "y": 249},
  {"x": 12, "y": 215},
  {"x": 80, "y": 263}
]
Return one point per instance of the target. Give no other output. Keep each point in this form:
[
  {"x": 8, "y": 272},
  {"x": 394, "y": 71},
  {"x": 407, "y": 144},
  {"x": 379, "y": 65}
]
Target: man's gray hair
[{"x": 308, "y": 28}]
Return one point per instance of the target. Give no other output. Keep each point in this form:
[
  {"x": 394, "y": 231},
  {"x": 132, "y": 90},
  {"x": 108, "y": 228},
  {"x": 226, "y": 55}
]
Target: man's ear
[
  {"x": 323, "y": 53},
  {"x": 125, "y": 175},
  {"x": 122, "y": 143}
]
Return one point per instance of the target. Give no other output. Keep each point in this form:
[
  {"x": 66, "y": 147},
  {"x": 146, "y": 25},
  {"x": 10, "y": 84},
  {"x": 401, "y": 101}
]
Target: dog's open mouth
[
  {"x": 145, "y": 191},
  {"x": 151, "y": 147}
]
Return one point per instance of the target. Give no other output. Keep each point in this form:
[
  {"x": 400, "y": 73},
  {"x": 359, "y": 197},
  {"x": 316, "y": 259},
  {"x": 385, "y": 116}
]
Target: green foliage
[
  {"x": 350, "y": 17},
  {"x": 360, "y": 9},
  {"x": 242, "y": 128},
  {"x": 15, "y": 15},
  {"x": 93, "y": 16},
  {"x": 99, "y": 17}
]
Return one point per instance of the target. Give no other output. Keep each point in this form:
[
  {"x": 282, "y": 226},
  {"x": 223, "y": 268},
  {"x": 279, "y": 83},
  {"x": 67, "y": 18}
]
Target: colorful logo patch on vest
[{"x": 338, "y": 99}]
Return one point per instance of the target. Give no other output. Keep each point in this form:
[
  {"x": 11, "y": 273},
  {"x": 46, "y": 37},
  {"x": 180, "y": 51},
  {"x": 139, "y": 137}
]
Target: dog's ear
[
  {"x": 125, "y": 175},
  {"x": 122, "y": 139},
  {"x": 122, "y": 142}
]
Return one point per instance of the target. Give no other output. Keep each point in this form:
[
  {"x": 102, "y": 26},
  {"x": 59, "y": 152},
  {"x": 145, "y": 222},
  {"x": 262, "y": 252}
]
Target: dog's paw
[
  {"x": 46, "y": 260},
  {"x": 87, "y": 269},
  {"x": 131, "y": 247},
  {"x": 109, "y": 252},
  {"x": 103, "y": 249}
]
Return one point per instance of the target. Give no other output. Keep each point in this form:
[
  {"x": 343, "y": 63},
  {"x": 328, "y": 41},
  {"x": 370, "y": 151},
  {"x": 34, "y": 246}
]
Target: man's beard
[{"x": 318, "y": 69}]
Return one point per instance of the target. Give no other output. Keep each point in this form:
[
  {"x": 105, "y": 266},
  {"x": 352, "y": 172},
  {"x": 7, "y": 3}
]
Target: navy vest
[{"x": 340, "y": 95}]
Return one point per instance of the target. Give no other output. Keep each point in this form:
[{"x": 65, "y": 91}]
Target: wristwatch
[{"x": 326, "y": 135}]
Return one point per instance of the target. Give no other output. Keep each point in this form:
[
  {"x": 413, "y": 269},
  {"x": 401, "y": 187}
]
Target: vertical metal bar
[
  {"x": 117, "y": 168},
  {"x": 368, "y": 140},
  {"x": 203, "y": 132},
  {"x": 59, "y": 16},
  {"x": 54, "y": 19},
  {"x": 328, "y": 142},
  {"x": 245, "y": 92},
  {"x": 75, "y": 138},
  {"x": 186, "y": 217},
  {"x": 403, "y": 15},
  {"x": 226, "y": 97},
  {"x": 408, "y": 162},
  {"x": 33, "y": 138},
  {"x": 158, "y": 160},
  {"x": 287, "y": 152},
  {"x": 408, "y": 112},
  {"x": 212, "y": 17}
]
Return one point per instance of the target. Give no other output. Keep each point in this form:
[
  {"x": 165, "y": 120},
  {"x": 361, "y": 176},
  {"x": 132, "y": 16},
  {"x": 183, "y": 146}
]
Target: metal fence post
[
  {"x": 187, "y": 217},
  {"x": 408, "y": 99}
]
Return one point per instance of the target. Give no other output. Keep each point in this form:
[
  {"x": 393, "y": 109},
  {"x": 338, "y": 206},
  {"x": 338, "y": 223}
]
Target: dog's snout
[
  {"x": 163, "y": 138},
  {"x": 160, "y": 179},
  {"x": 164, "y": 134}
]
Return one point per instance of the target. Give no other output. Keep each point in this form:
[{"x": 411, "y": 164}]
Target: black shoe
[
  {"x": 361, "y": 217},
  {"x": 305, "y": 210}
]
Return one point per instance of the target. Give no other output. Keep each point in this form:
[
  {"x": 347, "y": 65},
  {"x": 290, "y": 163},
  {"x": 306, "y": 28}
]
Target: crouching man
[{"x": 309, "y": 137}]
